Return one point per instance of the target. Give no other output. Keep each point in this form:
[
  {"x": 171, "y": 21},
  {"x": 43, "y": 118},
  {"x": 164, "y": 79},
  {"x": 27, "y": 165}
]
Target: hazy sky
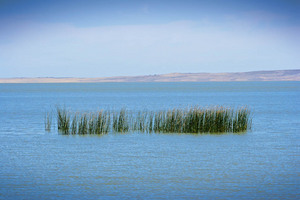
[{"x": 121, "y": 37}]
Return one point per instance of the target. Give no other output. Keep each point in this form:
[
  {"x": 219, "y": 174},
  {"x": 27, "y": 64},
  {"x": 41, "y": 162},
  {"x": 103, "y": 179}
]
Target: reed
[
  {"x": 102, "y": 122},
  {"x": 48, "y": 121},
  {"x": 121, "y": 121},
  {"x": 63, "y": 120},
  {"x": 74, "y": 125},
  {"x": 143, "y": 122},
  {"x": 198, "y": 120},
  {"x": 86, "y": 123},
  {"x": 83, "y": 125},
  {"x": 189, "y": 120},
  {"x": 241, "y": 121}
]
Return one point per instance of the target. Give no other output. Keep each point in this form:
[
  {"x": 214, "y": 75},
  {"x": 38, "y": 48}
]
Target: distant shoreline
[{"x": 274, "y": 75}]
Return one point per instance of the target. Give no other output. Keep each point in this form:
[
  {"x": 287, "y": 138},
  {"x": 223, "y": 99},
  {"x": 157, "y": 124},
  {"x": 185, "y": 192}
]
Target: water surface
[{"x": 263, "y": 163}]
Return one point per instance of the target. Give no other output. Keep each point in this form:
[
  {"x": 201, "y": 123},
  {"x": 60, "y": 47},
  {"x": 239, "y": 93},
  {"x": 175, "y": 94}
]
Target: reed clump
[
  {"x": 63, "y": 120},
  {"x": 189, "y": 120},
  {"x": 83, "y": 124},
  {"x": 121, "y": 121}
]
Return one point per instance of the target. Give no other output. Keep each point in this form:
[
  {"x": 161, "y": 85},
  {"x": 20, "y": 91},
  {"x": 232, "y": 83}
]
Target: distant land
[{"x": 275, "y": 75}]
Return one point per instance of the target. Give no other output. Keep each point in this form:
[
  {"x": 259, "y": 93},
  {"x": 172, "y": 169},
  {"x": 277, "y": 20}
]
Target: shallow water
[{"x": 262, "y": 163}]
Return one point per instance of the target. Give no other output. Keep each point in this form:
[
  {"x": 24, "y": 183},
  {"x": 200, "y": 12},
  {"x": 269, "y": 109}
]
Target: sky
[{"x": 72, "y": 38}]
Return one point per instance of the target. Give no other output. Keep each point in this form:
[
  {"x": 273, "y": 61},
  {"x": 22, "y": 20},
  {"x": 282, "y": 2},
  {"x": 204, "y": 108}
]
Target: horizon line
[{"x": 141, "y": 75}]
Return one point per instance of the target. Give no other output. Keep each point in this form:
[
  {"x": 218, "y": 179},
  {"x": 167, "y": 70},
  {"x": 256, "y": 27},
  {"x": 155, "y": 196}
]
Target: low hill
[{"x": 276, "y": 75}]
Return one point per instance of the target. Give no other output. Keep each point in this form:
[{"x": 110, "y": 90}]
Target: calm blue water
[{"x": 261, "y": 164}]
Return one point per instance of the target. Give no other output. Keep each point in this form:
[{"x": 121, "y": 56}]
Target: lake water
[{"x": 263, "y": 163}]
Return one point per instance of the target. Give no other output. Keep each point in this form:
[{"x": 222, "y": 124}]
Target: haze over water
[{"x": 262, "y": 163}]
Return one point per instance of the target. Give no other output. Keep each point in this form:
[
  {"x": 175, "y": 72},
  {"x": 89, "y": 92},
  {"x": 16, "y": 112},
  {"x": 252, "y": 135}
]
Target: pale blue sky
[{"x": 112, "y": 38}]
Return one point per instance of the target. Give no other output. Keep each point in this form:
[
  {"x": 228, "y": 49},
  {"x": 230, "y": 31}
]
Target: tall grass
[{"x": 189, "y": 120}]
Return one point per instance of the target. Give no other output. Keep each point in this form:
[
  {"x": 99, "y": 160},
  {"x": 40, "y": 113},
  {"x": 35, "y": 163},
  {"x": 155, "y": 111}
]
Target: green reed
[
  {"x": 63, "y": 121},
  {"x": 189, "y": 120},
  {"x": 198, "y": 120},
  {"x": 102, "y": 122},
  {"x": 142, "y": 122},
  {"x": 74, "y": 125},
  {"x": 121, "y": 121},
  {"x": 241, "y": 120},
  {"x": 82, "y": 124}
]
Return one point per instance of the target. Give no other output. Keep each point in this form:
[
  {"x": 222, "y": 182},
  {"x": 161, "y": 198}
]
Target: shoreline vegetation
[{"x": 193, "y": 120}]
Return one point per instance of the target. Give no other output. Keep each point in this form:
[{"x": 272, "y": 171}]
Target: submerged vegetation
[{"x": 177, "y": 120}]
